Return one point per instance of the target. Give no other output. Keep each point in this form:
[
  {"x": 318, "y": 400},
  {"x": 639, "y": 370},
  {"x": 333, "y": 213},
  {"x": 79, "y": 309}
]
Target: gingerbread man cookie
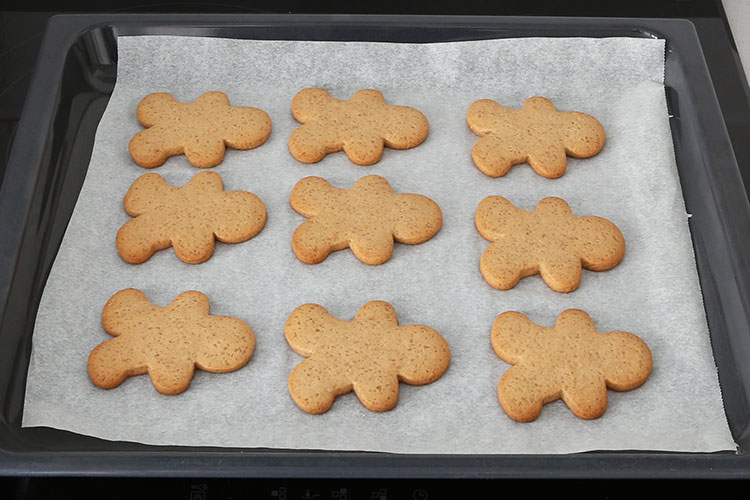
[
  {"x": 361, "y": 126},
  {"x": 168, "y": 343},
  {"x": 571, "y": 361},
  {"x": 368, "y": 355},
  {"x": 201, "y": 130},
  {"x": 537, "y": 133},
  {"x": 189, "y": 218},
  {"x": 367, "y": 219},
  {"x": 549, "y": 241}
]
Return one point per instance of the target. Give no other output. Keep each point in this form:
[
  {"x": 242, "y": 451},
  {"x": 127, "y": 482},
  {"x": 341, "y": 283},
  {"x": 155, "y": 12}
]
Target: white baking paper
[{"x": 633, "y": 182}]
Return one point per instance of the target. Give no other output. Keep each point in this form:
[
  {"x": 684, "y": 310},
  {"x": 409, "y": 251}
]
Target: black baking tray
[{"x": 74, "y": 77}]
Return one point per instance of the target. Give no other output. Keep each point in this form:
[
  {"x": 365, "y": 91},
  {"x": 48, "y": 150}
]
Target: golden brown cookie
[
  {"x": 537, "y": 133},
  {"x": 360, "y": 126},
  {"x": 368, "y": 355},
  {"x": 168, "y": 343},
  {"x": 571, "y": 360},
  {"x": 366, "y": 218},
  {"x": 201, "y": 130},
  {"x": 189, "y": 218},
  {"x": 550, "y": 241}
]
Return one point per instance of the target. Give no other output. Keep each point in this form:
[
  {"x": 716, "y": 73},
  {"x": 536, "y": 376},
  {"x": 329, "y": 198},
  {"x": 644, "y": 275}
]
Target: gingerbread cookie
[
  {"x": 368, "y": 355},
  {"x": 168, "y": 343},
  {"x": 366, "y": 218},
  {"x": 189, "y": 218},
  {"x": 537, "y": 133},
  {"x": 201, "y": 130},
  {"x": 360, "y": 126},
  {"x": 550, "y": 241},
  {"x": 571, "y": 360}
]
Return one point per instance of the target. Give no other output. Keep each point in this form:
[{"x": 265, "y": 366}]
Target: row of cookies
[
  {"x": 361, "y": 127},
  {"x": 367, "y": 218},
  {"x": 368, "y": 355}
]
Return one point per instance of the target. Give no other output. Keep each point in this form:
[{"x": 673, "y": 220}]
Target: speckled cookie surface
[
  {"x": 537, "y": 133},
  {"x": 367, "y": 219},
  {"x": 201, "y": 130},
  {"x": 188, "y": 218},
  {"x": 168, "y": 343},
  {"x": 571, "y": 361},
  {"x": 368, "y": 355},
  {"x": 549, "y": 241},
  {"x": 361, "y": 126}
]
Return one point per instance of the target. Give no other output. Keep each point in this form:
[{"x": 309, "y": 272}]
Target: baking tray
[{"x": 74, "y": 77}]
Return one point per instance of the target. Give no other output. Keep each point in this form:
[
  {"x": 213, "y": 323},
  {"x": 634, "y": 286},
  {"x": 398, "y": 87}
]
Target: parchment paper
[{"x": 633, "y": 182}]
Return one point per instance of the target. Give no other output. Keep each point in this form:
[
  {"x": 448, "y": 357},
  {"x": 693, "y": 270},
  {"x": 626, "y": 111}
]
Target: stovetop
[{"x": 22, "y": 26}]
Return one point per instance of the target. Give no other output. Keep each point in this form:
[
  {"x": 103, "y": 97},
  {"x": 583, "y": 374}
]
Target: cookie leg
[
  {"x": 523, "y": 391},
  {"x": 314, "y": 385},
  {"x": 139, "y": 238},
  {"x": 111, "y": 362},
  {"x": 494, "y": 158},
  {"x": 503, "y": 264},
  {"x": 310, "y": 143},
  {"x": 313, "y": 241},
  {"x": 151, "y": 147}
]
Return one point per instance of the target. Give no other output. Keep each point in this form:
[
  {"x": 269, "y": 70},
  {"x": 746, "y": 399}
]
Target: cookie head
[
  {"x": 168, "y": 343},
  {"x": 367, "y": 218},
  {"x": 537, "y": 133},
  {"x": 369, "y": 355},
  {"x": 571, "y": 361},
  {"x": 201, "y": 130},
  {"x": 361, "y": 126}
]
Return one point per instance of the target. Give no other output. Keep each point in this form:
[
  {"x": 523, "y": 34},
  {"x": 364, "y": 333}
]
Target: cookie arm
[
  {"x": 373, "y": 246},
  {"x": 585, "y": 393},
  {"x": 560, "y": 269},
  {"x": 379, "y": 392}
]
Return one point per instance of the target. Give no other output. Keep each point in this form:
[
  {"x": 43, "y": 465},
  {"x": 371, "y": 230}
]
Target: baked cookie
[
  {"x": 368, "y": 355},
  {"x": 366, "y": 218},
  {"x": 201, "y": 130},
  {"x": 189, "y": 218},
  {"x": 168, "y": 343},
  {"x": 550, "y": 241},
  {"x": 571, "y": 361},
  {"x": 360, "y": 126},
  {"x": 537, "y": 133}
]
